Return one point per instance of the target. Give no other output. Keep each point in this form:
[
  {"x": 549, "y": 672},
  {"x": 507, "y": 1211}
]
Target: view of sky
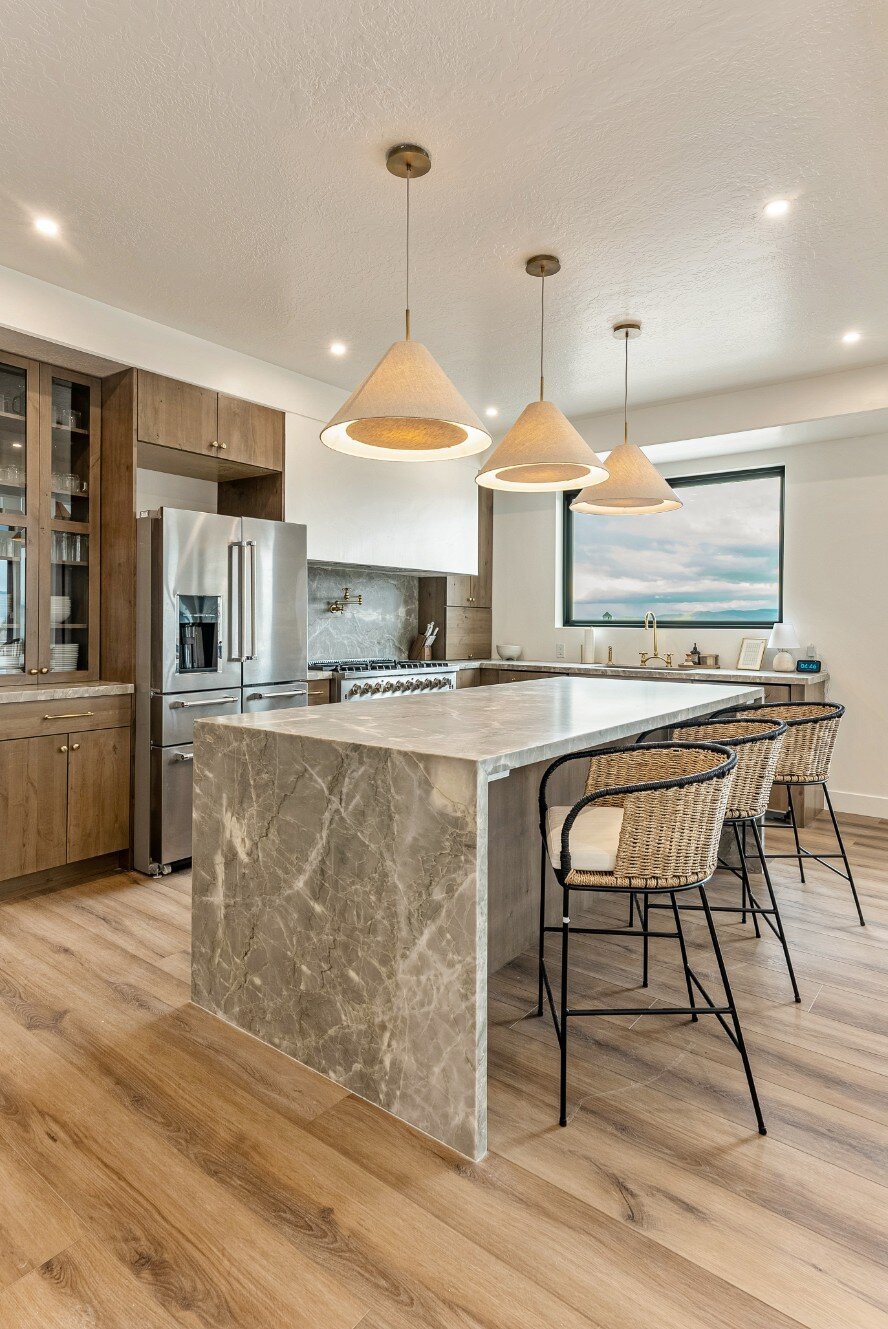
[{"x": 715, "y": 560}]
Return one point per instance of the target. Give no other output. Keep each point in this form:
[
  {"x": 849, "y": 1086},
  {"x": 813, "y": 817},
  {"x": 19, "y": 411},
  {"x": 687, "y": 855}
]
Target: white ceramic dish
[
  {"x": 509, "y": 652},
  {"x": 59, "y": 608}
]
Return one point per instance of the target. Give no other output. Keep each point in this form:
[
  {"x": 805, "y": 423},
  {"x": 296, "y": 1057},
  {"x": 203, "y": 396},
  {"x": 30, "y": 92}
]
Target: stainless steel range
[{"x": 362, "y": 680}]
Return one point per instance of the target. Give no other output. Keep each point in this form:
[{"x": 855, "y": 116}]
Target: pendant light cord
[
  {"x": 626, "y": 388},
  {"x": 542, "y": 328},
  {"x": 407, "y": 264}
]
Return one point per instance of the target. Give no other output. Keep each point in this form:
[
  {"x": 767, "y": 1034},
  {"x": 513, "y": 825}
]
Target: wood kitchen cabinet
[
  {"x": 98, "y": 793},
  {"x": 191, "y": 419},
  {"x": 171, "y": 414},
  {"x": 50, "y": 425},
  {"x": 64, "y": 782},
  {"x": 33, "y": 805}
]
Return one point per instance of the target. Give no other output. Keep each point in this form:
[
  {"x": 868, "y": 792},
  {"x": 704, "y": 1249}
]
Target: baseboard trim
[
  {"x": 863, "y": 805},
  {"x": 56, "y": 879}
]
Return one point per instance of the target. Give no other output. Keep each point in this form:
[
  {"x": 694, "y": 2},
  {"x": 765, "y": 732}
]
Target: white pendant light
[
  {"x": 634, "y": 486},
  {"x": 542, "y": 451},
  {"x": 406, "y": 409}
]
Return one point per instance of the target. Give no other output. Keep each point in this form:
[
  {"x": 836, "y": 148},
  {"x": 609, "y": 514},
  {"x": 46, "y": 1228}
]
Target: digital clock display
[{"x": 808, "y": 666}]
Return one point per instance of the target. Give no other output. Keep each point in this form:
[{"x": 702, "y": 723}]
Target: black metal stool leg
[
  {"x": 729, "y": 995},
  {"x": 645, "y": 943},
  {"x": 684, "y": 956},
  {"x": 795, "y": 831},
  {"x": 760, "y": 850},
  {"x": 841, "y": 844},
  {"x": 747, "y": 892},
  {"x": 542, "y": 949},
  {"x": 565, "y": 937}
]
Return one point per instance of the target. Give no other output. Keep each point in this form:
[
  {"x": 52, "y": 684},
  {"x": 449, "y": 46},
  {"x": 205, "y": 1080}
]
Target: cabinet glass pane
[
  {"x": 69, "y": 603},
  {"x": 70, "y": 450},
  {"x": 13, "y": 437},
  {"x": 12, "y": 600}
]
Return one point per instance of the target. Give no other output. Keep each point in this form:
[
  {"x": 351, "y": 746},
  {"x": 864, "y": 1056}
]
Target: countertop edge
[{"x": 59, "y": 691}]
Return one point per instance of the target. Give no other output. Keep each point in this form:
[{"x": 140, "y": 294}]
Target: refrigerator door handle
[
  {"x": 236, "y": 601},
  {"x": 251, "y": 545}
]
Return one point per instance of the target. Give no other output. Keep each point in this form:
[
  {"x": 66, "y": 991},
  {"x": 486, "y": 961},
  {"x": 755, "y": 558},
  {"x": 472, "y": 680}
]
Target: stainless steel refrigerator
[{"x": 221, "y": 610}]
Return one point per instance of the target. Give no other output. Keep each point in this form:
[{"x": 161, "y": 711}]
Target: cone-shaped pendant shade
[
  {"x": 406, "y": 409},
  {"x": 633, "y": 488},
  {"x": 542, "y": 451}
]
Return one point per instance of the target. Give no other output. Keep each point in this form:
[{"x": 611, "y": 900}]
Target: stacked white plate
[
  {"x": 63, "y": 657},
  {"x": 59, "y": 608}
]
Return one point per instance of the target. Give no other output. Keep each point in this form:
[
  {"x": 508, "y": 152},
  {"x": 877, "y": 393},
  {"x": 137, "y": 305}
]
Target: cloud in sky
[{"x": 717, "y": 558}]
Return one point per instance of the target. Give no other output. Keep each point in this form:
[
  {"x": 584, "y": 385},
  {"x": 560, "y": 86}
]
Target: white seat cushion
[{"x": 594, "y": 837}]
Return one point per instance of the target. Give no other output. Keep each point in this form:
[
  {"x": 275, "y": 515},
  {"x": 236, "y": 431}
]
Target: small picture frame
[{"x": 752, "y": 652}]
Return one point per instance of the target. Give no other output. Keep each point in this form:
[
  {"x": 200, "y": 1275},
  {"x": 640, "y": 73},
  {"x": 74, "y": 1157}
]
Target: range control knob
[
  {"x": 389, "y": 687},
  {"x": 376, "y": 688}
]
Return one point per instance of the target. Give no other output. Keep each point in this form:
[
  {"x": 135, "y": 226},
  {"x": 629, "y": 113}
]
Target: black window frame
[{"x": 677, "y": 482}]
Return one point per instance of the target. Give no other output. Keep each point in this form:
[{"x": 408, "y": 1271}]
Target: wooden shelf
[
  {"x": 69, "y": 563},
  {"x": 69, "y": 429},
  {"x": 12, "y": 415}
]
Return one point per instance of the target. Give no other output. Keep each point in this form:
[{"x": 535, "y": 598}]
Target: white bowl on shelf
[
  {"x": 59, "y": 608},
  {"x": 509, "y": 652}
]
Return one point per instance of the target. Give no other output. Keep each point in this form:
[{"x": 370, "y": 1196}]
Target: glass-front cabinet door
[
  {"x": 69, "y": 585},
  {"x": 19, "y": 516}
]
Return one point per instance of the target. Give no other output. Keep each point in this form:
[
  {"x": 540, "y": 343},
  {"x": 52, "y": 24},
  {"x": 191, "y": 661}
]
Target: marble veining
[
  {"x": 340, "y": 883},
  {"x": 64, "y": 692},
  {"x": 338, "y": 913},
  {"x": 384, "y": 625}
]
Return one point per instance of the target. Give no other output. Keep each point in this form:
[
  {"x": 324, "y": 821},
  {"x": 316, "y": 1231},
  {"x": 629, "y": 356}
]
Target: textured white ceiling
[{"x": 218, "y": 166}]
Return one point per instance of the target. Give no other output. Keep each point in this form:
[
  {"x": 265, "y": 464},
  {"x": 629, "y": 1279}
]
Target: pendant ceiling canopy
[
  {"x": 406, "y": 409},
  {"x": 634, "y": 486},
  {"x": 542, "y": 451}
]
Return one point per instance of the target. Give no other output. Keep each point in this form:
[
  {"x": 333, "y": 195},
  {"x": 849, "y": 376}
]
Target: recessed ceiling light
[
  {"x": 46, "y": 226},
  {"x": 851, "y": 337},
  {"x": 338, "y": 348},
  {"x": 778, "y": 207},
  {"x": 492, "y": 412}
]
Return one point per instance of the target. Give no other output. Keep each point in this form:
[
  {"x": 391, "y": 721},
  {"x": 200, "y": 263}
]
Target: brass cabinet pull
[
  {"x": 70, "y": 715},
  {"x": 33, "y": 671},
  {"x": 74, "y": 747},
  {"x": 45, "y": 669},
  {"x": 63, "y": 748}
]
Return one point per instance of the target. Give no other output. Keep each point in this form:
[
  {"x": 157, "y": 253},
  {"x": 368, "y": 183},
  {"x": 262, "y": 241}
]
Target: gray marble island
[{"x": 359, "y": 868}]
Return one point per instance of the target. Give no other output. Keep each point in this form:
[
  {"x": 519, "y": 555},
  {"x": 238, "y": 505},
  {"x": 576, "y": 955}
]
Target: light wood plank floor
[{"x": 162, "y": 1169}]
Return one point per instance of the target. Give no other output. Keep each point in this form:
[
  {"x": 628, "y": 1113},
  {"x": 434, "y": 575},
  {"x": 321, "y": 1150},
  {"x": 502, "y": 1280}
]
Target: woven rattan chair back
[
  {"x": 757, "y": 743},
  {"x": 669, "y": 837},
  {"x": 811, "y": 729}
]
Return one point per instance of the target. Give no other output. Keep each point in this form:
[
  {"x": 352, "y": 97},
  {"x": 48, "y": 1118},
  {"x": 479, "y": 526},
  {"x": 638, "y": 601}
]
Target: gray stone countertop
[
  {"x": 63, "y": 691},
  {"x": 752, "y": 676},
  {"x": 501, "y": 728}
]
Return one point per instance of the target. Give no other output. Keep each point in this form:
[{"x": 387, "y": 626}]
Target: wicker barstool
[
  {"x": 811, "y": 729},
  {"x": 758, "y": 743},
  {"x": 648, "y": 823}
]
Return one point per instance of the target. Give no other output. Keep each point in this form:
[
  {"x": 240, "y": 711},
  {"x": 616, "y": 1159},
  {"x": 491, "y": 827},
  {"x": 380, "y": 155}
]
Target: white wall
[
  {"x": 835, "y": 578},
  {"x": 421, "y": 517}
]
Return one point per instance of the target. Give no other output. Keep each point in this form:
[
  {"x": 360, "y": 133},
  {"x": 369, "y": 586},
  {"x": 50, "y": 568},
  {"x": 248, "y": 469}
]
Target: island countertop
[
  {"x": 499, "y": 730},
  {"x": 358, "y": 868}
]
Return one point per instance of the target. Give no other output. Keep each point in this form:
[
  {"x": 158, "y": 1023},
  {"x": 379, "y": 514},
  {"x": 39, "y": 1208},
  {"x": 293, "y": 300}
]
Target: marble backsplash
[{"x": 384, "y": 625}]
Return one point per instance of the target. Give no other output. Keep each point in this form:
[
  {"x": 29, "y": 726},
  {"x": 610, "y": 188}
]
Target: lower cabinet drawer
[
  {"x": 28, "y": 719},
  {"x": 318, "y": 691}
]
